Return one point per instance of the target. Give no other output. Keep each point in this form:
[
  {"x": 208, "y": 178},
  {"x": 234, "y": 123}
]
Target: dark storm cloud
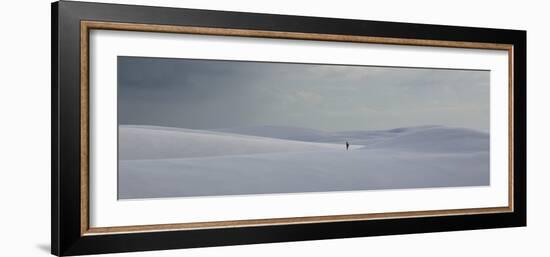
[{"x": 207, "y": 94}]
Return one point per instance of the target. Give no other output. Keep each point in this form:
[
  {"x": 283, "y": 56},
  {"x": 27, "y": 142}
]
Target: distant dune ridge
[
  {"x": 175, "y": 162},
  {"x": 431, "y": 138},
  {"x": 146, "y": 142}
]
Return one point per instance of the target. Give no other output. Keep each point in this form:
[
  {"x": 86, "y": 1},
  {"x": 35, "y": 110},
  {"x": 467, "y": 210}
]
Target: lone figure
[{"x": 347, "y": 145}]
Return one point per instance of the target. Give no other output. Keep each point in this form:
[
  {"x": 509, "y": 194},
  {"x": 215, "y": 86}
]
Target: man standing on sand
[{"x": 347, "y": 145}]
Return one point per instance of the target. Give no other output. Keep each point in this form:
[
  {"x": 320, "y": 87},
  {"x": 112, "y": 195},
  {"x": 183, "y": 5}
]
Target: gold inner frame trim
[{"x": 86, "y": 26}]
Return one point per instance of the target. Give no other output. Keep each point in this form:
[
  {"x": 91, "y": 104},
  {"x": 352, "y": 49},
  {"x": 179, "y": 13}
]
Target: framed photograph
[{"x": 178, "y": 128}]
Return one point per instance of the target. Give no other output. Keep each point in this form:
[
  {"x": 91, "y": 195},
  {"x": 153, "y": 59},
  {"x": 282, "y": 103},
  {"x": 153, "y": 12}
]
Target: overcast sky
[{"x": 211, "y": 94}]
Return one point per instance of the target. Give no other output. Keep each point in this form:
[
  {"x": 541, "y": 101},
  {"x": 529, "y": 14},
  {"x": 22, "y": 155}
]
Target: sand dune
[
  {"x": 146, "y": 142},
  {"x": 173, "y": 162}
]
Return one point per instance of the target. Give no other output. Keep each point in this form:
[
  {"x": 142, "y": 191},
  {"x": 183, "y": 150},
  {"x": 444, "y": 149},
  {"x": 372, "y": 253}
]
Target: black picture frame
[{"x": 66, "y": 236}]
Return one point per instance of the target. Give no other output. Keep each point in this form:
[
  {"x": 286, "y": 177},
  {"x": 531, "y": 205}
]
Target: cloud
[
  {"x": 206, "y": 94},
  {"x": 309, "y": 97}
]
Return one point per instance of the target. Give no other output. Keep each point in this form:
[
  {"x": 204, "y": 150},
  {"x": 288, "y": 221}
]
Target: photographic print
[{"x": 196, "y": 127}]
